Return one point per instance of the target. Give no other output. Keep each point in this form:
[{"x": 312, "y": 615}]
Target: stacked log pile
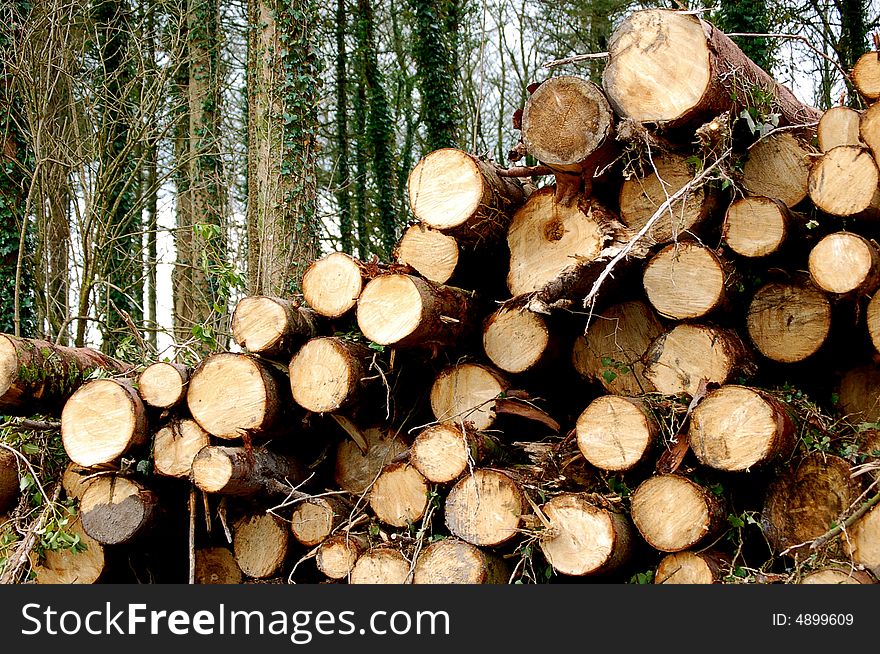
[{"x": 650, "y": 356}]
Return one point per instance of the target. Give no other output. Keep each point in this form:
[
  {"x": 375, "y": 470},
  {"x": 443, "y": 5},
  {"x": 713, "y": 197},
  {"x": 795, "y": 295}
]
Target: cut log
[
  {"x": 517, "y": 340},
  {"x": 779, "y": 167},
  {"x": 331, "y": 285},
  {"x": 685, "y": 356},
  {"x": 673, "y": 513},
  {"x": 407, "y": 311},
  {"x": 756, "y": 226},
  {"x": 38, "y": 376},
  {"x": 9, "y": 484},
  {"x": 568, "y": 125},
  {"x": 843, "y": 182},
  {"x": 103, "y": 420},
  {"x": 863, "y": 541},
  {"x": 231, "y": 395},
  {"x": 869, "y": 130},
  {"x": 381, "y": 565},
  {"x": 788, "y": 322},
  {"x": 838, "y": 575},
  {"x": 356, "y": 470},
  {"x": 692, "y": 568},
  {"x": 736, "y": 428},
  {"x": 485, "y": 508},
  {"x": 872, "y": 319},
  {"x": 806, "y": 500},
  {"x": 839, "y": 126},
  {"x": 314, "y": 519},
  {"x": 116, "y": 510},
  {"x": 240, "y": 471},
  {"x": 162, "y": 385},
  {"x": 640, "y": 197},
  {"x": 176, "y": 445},
  {"x": 612, "y": 348},
  {"x": 442, "y": 453},
  {"x": 452, "y": 561},
  {"x": 466, "y": 393},
  {"x": 859, "y": 394},
  {"x": 260, "y": 544},
  {"x": 329, "y": 374},
  {"x": 217, "y": 565},
  {"x": 673, "y": 68},
  {"x": 66, "y": 566},
  {"x": 399, "y": 497},
  {"x": 462, "y": 195},
  {"x": 616, "y": 433},
  {"x": 337, "y": 555},
  {"x": 844, "y": 262},
  {"x": 76, "y": 480},
  {"x": 583, "y": 539},
  {"x": 431, "y": 253},
  {"x": 272, "y": 326},
  {"x": 866, "y": 76},
  {"x": 685, "y": 281}
]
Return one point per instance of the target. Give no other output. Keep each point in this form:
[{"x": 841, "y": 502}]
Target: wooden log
[
  {"x": 859, "y": 394},
  {"x": 66, "y": 566},
  {"x": 116, "y": 510},
  {"x": 314, "y": 519},
  {"x": 407, "y": 311},
  {"x": 442, "y": 453},
  {"x": 381, "y": 565},
  {"x": 517, "y": 340},
  {"x": 430, "y": 252},
  {"x": 757, "y": 226},
  {"x": 466, "y": 394},
  {"x": 272, "y": 326},
  {"x": 337, "y": 555},
  {"x": 866, "y": 75},
  {"x": 75, "y": 480},
  {"x": 616, "y": 433},
  {"x": 779, "y": 167},
  {"x": 806, "y": 500},
  {"x": 399, "y": 497},
  {"x": 686, "y": 355},
  {"x": 176, "y": 445},
  {"x": 453, "y": 561},
  {"x": 837, "y": 575},
  {"x": 38, "y": 377},
  {"x": 872, "y": 320},
  {"x": 260, "y": 543},
  {"x": 102, "y": 421},
  {"x": 673, "y": 513},
  {"x": 675, "y": 69},
  {"x": 355, "y": 470},
  {"x": 243, "y": 472},
  {"x": 685, "y": 281},
  {"x": 330, "y": 373},
  {"x": 331, "y": 285},
  {"x": 862, "y": 542},
  {"x": 485, "y": 508},
  {"x": 231, "y": 395},
  {"x": 788, "y": 322},
  {"x": 838, "y": 126},
  {"x": 217, "y": 565},
  {"x": 692, "y": 568},
  {"x": 9, "y": 482},
  {"x": 845, "y": 263},
  {"x": 162, "y": 385},
  {"x": 736, "y": 428},
  {"x": 869, "y": 130},
  {"x": 462, "y": 195},
  {"x": 843, "y": 182},
  {"x": 583, "y": 539},
  {"x": 612, "y": 348},
  {"x": 640, "y": 197}
]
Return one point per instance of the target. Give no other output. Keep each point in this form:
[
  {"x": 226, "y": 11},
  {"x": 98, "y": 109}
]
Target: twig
[
  {"x": 32, "y": 425},
  {"x": 575, "y": 58},
  {"x": 192, "y": 534},
  {"x": 20, "y": 556},
  {"x": 524, "y": 171}
]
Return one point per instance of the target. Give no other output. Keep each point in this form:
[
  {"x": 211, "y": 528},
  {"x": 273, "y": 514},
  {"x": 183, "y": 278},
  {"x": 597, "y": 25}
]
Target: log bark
[
  {"x": 116, "y": 510},
  {"x": 757, "y": 226},
  {"x": 843, "y": 182},
  {"x": 39, "y": 377},
  {"x": 355, "y": 470},
  {"x": 399, "y": 497},
  {"x": 271, "y": 326},
  {"x": 675, "y": 69},
  {"x": 778, "y": 167},
  {"x": 788, "y": 322},
  {"x": 102, "y": 421},
  {"x": 442, "y": 453},
  {"x": 485, "y": 508},
  {"x": 217, "y": 565},
  {"x": 9, "y": 484},
  {"x": 381, "y": 565},
  {"x": 331, "y": 285},
  {"x": 337, "y": 555},
  {"x": 839, "y": 126},
  {"x": 176, "y": 445},
  {"x": 163, "y": 385},
  {"x": 517, "y": 340},
  {"x": 685, "y": 281},
  {"x": 260, "y": 544},
  {"x": 705, "y": 567},
  {"x": 464, "y": 394},
  {"x": 866, "y": 76},
  {"x": 736, "y": 428},
  {"x": 845, "y": 263},
  {"x": 616, "y": 433},
  {"x": 243, "y": 472},
  {"x": 68, "y": 567},
  {"x": 314, "y": 519},
  {"x": 330, "y": 374},
  {"x": 454, "y": 561},
  {"x": 430, "y": 252}
]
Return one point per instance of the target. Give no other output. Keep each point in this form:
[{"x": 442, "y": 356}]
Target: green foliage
[
  {"x": 748, "y": 16},
  {"x": 643, "y": 578}
]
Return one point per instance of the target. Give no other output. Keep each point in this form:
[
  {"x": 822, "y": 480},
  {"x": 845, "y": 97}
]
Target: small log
[
  {"x": 859, "y": 394},
  {"x": 244, "y": 472},
  {"x": 866, "y": 76},
  {"x": 331, "y": 285},
  {"x": 844, "y": 263},
  {"x": 779, "y": 167},
  {"x": 407, "y": 311},
  {"x": 399, "y": 496},
  {"x": 116, "y": 510},
  {"x": 843, "y": 182},
  {"x": 839, "y": 126},
  {"x": 685, "y": 281},
  {"x": 485, "y": 508},
  {"x": 583, "y": 539},
  {"x": 337, "y": 555},
  {"x": 462, "y": 195},
  {"x": 736, "y": 428},
  {"x": 329, "y": 374},
  {"x": 9, "y": 482},
  {"x": 692, "y": 568},
  {"x": 616, "y": 433},
  {"x": 431, "y": 253},
  {"x": 39, "y": 377},
  {"x": 872, "y": 320},
  {"x": 260, "y": 543},
  {"x": 162, "y": 385},
  {"x": 517, "y": 340},
  {"x": 381, "y": 565},
  {"x": 685, "y": 356},
  {"x": 272, "y": 326},
  {"x": 176, "y": 445},
  {"x": 217, "y": 565},
  {"x": 837, "y": 575},
  {"x": 65, "y": 566},
  {"x": 757, "y": 226},
  {"x": 102, "y": 421},
  {"x": 466, "y": 393},
  {"x": 76, "y": 480},
  {"x": 442, "y": 453},
  {"x": 453, "y": 561},
  {"x": 355, "y": 470},
  {"x": 869, "y": 130},
  {"x": 613, "y": 346},
  {"x": 788, "y": 322},
  {"x": 863, "y": 541},
  {"x": 673, "y": 513},
  {"x": 314, "y": 519}
]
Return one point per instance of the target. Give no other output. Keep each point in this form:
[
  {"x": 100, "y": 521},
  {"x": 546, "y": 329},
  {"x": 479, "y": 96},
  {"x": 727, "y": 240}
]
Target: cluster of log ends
[
  {"x": 757, "y": 226},
  {"x": 465, "y": 394},
  {"x": 685, "y": 281},
  {"x": 116, "y": 510},
  {"x": 454, "y": 561},
  {"x": 328, "y": 373},
  {"x": 176, "y": 445},
  {"x": 616, "y": 433},
  {"x": 518, "y": 340},
  {"x": 779, "y": 167},
  {"x": 442, "y": 453},
  {"x": 431, "y": 253},
  {"x": 314, "y": 519},
  {"x": 260, "y": 543},
  {"x": 272, "y": 326},
  {"x": 9, "y": 481},
  {"x": 788, "y": 322},
  {"x": 692, "y": 568},
  {"x": 843, "y": 263},
  {"x": 381, "y": 565},
  {"x": 843, "y": 182},
  {"x": 337, "y": 555},
  {"x": 68, "y": 567},
  {"x": 399, "y": 496},
  {"x": 217, "y": 565},
  {"x": 331, "y": 285},
  {"x": 485, "y": 508},
  {"x": 162, "y": 385},
  {"x": 355, "y": 470},
  {"x": 243, "y": 472}
]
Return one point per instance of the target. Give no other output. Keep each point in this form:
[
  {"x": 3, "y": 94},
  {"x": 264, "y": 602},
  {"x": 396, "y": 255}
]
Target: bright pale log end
[{"x": 331, "y": 285}]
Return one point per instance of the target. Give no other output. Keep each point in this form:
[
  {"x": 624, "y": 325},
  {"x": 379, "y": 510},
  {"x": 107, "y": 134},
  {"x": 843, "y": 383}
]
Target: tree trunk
[
  {"x": 314, "y": 519},
  {"x": 176, "y": 445},
  {"x": 685, "y": 281},
  {"x": 788, "y": 322},
  {"x": 444, "y": 452},
  {"x": 466, "y": 393},
  {"x": 343, "y": 178},
  {"x": 260, "y": 544},
  {"x": 453, "y": 561},
  {"x": 845, "y": 263},
  {"x": 616, "y": 433},
  {"x": 399, "y": 496},
  {"x": 272, "y": 326},
  {"x": 518, "y": 340},
  {"x": 116, "y": 510},
  {"x": 843, "y": 182},
  {"x": 216, "y": 565},
  {"x": 779, "y": 167},
  {"x": 381, "y": 565},
  {"x": 238, "y": 471},
  {"x": 162, "y": 385},
  {"x": 705, "y": 567},
  {"x": 757, "y": 226},
  {"x": 485, "y": 508},
  {"x": 839, "y": 126},
  {"x": 355, "y": 470},
  {"x": 329, "y": 374},
  {"x": 337, "y": 555}
]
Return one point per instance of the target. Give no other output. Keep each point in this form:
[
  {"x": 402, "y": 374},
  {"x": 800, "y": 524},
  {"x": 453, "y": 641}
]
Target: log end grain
[
  {"x": 755, "y": 226},
  {"x": 844, "y": 262},
  {"x": 325, "y": 374},
  {"x": 684, "y": 281},
  {"x": 381, "y": 565},
  {"x": 441, "y": 453},
  {"x": 433, "y": 254},
  {"x": 217, "y": 565},
  {"x": 465, "y": 393},
  {"x": 176, "y": 445},
  {"x": 260, "y": 544},
  {"x": 673, "y": 513},
  {"x": 866, "y": 75},
  {"x": 843, "y": 182},
  {"x": 399, "y": 496},
  {"x": 453, "y": 561},
  {"x": 516, "y": 340},
  {"x": 445, "y": 189},
  {"x": 331, "y": 285},
  {"x": 163, "y": 385},
  {"x": 615, "y": 433},
  {"x": 838, "y": 126},
  {"x": 115, "y": 510},
  {"x": 355, "y": 470},
  {"x": 68, "y": 567},
  {"x": 788, "y": 322},
  {"x": 778, "y": 167},
  {"x": 485, "y": 508}
]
